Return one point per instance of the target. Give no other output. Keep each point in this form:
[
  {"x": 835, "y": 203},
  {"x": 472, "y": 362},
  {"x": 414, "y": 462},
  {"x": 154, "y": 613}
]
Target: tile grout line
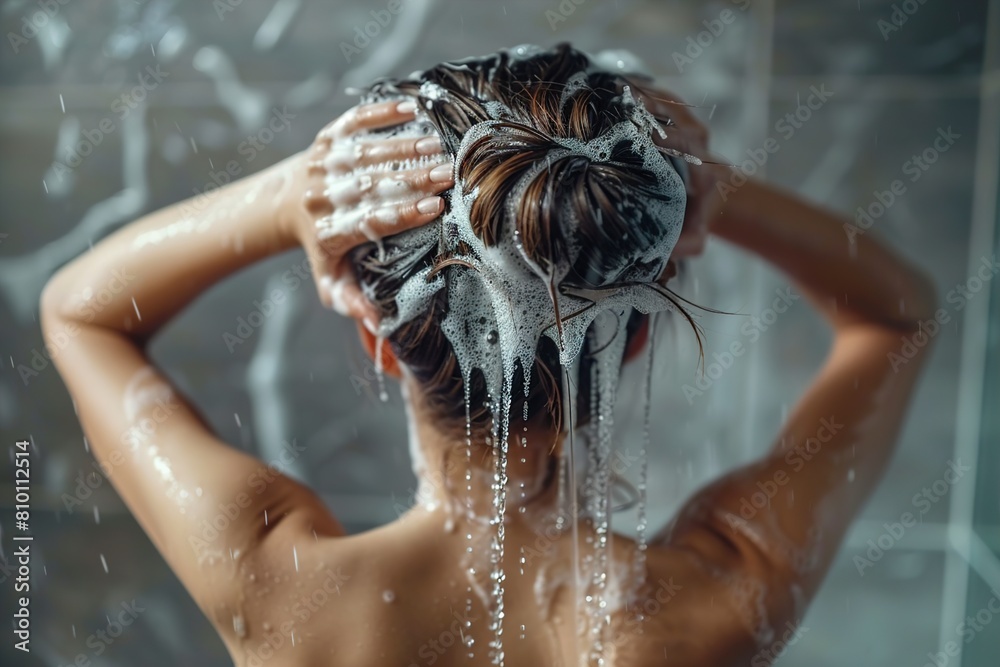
[
  {"x": 764, "y": 51},
  {"x": 972, "y": 366},
  {"x": 984, "y": 562}
]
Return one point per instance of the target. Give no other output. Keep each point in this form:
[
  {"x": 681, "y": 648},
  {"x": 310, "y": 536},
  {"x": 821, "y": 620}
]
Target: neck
[{"x": 452, "y": 474}]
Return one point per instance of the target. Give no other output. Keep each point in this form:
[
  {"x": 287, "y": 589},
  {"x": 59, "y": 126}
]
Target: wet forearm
[
  {"x": 138, "y": 278},
  {"x": 850, "y": 279}
]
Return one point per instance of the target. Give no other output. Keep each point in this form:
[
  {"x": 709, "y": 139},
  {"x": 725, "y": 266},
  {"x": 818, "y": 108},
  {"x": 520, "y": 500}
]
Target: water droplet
[{"x": 239, "y": 626}]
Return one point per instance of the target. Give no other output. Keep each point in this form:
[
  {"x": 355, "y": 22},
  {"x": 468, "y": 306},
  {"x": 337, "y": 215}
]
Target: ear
[
  {"x": 638, "y": 340},
  {"x": 390, "y": 365}
]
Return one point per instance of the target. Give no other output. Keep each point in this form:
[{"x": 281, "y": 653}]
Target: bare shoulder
[
  {"x": 696, "y": 613},
  {"x": 308, "y": 597},
  {"x": 288, "y": 587}
]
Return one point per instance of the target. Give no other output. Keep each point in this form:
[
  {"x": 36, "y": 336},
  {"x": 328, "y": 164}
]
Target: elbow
[
  {"x": 53, "y": 301},
  {"x": 57, "y": 331},
  {"x": 920, "y": 302}
]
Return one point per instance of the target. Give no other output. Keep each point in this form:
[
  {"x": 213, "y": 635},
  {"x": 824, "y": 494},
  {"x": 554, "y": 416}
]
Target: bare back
[{"x": 399, "y": 595}]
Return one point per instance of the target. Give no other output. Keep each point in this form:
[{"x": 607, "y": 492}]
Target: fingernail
[
  {"x": 428, "y": 145},
  {"x": 406, "y": 107},
  {"x": 441, "y": 174},
  {"x": 370, "y": 324},
  {"x": 430, "y": 205}
]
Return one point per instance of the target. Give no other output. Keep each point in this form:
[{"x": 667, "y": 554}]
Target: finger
[
  {"x": 658, "y": 101},
  {"x": 367, "y": 117},
  {"x": 694, "y": 212},
  {"x": 350, "y": 155},
  {"x": 701, "y": 206},
  {"x": 352, "y": 298},
  {"x": 705, "y": 179},
  {"x": 334, "y": 278},
  {"x": 321, "y": 266},
  {"x": 710, "y": 201},
  {"x": 389, "y": 187},
  {"x": 354, "y": 226},
  {"x": 344, "y": 296},
  {"x": 677, "y": 111},
  {"x": 673, "y": 107},
  {"x": 681, "y": 138},
  {"x": 663, "y": 103},
  {"x": 358, "y": 306}
]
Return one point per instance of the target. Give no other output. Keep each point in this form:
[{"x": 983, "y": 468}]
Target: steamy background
[{"x": 112, "y": 109}]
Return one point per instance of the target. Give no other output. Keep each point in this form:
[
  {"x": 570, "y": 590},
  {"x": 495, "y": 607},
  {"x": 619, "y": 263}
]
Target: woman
[{"x": 451, "y": 583}]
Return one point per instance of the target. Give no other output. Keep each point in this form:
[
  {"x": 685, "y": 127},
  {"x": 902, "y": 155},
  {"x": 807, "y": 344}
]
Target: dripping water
[
  {"x": 470, "y": 514},
  {"x": 574, "y": 500},
  {"x": 639, "y": 572},
  {"x": 501, "y": 433}
]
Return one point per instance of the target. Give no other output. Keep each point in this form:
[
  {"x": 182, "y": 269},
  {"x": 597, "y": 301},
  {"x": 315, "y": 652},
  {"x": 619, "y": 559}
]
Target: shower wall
[{"x": 110, "y": 109}]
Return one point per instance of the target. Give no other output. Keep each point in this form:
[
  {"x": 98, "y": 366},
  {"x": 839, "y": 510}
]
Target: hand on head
[
  {"x": 688, "y": 135},
  {"x": 355, "y": 194}
]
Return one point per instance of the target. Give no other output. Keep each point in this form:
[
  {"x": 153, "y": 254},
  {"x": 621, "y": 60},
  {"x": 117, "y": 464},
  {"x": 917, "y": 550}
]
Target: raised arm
[
  {"x": 782, "y": 519},
  {"x": 204, "y": 504}
]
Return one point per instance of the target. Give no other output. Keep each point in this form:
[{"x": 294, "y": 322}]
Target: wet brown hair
[{"x": 609, "y": 200}]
